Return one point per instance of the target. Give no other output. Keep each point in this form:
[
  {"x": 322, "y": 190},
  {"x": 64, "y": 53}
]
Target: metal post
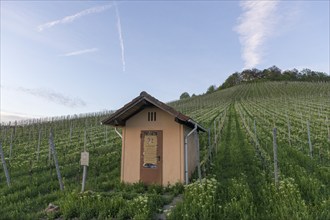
[
  {"x": 11, "y": 144},
  {"x": 38, "y": 149},
  {"x": 52, "y": 146},
  {"x": 70, "y": 132},
  {"x": 215, "y": 133},
  {"x": 219, "y": 139},
  {"x": 15, "y": 128},
  {"x": 118, "y": 133},
  {"x": 84, "y": 178},
  {"x": 85, "y": 140},
  {"x": 255, "y": 132},
  {"x": 186, "y": 154},
  {"x": 209, "y": 140},
  {"x": 289, "y": 130},
  {"x": 327, "y": 122},
  {"x": 84, "y": 167},
  {"x": 198, "y": 155},
  {"x": 309, "y": 141},
  {"x": 4, "y": 165},
  {"x": 106, "y": 135},
  {"x": 209, "y": 147},
  {"x": 275, "y": 156}
]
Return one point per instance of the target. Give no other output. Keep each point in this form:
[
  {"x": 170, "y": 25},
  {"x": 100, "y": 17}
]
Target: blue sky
[{"x": 70, "y": 57}]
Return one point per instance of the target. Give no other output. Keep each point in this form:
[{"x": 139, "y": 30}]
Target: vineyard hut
[{"x": 159, "y": 144}]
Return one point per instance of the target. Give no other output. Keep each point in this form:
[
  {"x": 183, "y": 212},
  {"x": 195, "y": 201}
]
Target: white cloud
[
  {"x": 53, "y": 96},
  {"x": 80, "y": 52},
  {"x": 256, "y": 24},
  {"x": 71, "y": 18}
]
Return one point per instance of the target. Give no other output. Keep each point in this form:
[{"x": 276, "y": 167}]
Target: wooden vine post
[
  {"x": 275, "y": 156},
  {"x": 209, "y": 140},
  {"x": 289, "y": 129},
  {"x": 4, "y": 165},
  {"x": 70, "y": 136},
  {"x": 39, "y": 139},
  {"x": 309, "y": 141},
  {"x": 11, "y": 144},
  {"x": 52, "y": 146},
  {"x": 106, "y": 135},
  {"x": 219, "y": 139},
  {"x": 327, "y": 122},
  {"x": 255, "y": 132},
  {"x": 198, "y": 155},
  {"x": 210, "y": 147},
  {"x": 215, "y": 134}
]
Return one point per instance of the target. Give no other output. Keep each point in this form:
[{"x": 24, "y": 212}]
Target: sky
[{"x": 71, "y": 57}]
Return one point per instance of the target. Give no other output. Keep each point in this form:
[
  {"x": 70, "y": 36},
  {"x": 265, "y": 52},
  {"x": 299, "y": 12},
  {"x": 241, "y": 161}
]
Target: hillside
[{"x": 237, "y": 165}]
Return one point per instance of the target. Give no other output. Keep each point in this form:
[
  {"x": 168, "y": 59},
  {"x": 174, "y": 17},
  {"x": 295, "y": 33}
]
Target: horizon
[{"x": 16, "y": 118}]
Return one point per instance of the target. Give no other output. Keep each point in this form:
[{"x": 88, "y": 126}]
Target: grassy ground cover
[{"x": 238, "y": 173}]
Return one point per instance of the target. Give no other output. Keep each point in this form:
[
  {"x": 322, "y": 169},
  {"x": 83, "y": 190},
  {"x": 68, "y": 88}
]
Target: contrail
[
  {"x": 79, "y": 52},
  {"x": 256, "y": 24},
  {"x": 71, "y": 18},
  {"x": 120, "y": 37}
]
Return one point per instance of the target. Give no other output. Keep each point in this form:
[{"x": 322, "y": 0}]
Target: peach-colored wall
[{"x": 173, "y": 141}]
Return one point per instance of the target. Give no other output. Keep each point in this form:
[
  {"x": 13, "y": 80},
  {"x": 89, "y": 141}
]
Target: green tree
[
  {"x": 211, "y": 89},
  {"x": 184, "y": 95}
]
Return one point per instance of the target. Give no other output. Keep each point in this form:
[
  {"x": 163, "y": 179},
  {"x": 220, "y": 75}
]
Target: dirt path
[{"x": 169, "y": 206}]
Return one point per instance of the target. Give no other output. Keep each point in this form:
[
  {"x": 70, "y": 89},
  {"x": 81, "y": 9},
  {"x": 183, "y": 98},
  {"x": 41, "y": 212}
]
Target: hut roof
[{"x": 144, "y": 100}]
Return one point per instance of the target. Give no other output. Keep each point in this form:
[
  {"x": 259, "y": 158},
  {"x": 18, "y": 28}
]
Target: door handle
[{"x": 158, "y": 158}]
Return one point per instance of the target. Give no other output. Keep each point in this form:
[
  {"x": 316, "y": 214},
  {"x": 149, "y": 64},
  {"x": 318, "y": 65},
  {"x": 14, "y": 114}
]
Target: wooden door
[{"x": 151, "y": 166}]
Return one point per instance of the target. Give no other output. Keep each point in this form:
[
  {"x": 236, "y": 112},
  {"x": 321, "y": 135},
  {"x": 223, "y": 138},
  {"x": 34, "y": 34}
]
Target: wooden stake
[
  {"x": 210, "y": 150},
  {"x": 309, "y": 141},
  {"x": 289, "y": 129},
  {"x": 70, "y": 132},
  {"x": 106, "y": 135},
  {"x": 4, "y": 165},
  {"x": 255, "y": 132},
  {"x": 215, "y": 132},
  {"x": 11, "y": 144},
  {"x": 327, "y": 122},
  {"x": 275, "y": 157},
  {"x": 38, "y": 148},
  {"x": 50, "y": 150},
  {"x": 219, "y": 139}
]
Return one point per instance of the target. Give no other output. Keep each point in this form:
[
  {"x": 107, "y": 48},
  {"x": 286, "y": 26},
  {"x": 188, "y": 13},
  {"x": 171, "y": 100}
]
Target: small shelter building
[{"x": 159, "y": 144}]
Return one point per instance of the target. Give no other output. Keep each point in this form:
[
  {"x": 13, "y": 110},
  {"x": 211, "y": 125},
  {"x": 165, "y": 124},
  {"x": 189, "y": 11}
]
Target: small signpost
[{"x": 84, "y": 161}]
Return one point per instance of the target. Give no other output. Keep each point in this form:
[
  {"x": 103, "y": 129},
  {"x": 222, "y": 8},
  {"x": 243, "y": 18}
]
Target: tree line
[
  {"x": 270, "y": 74},
  {"x": 274, "y": 74}
]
